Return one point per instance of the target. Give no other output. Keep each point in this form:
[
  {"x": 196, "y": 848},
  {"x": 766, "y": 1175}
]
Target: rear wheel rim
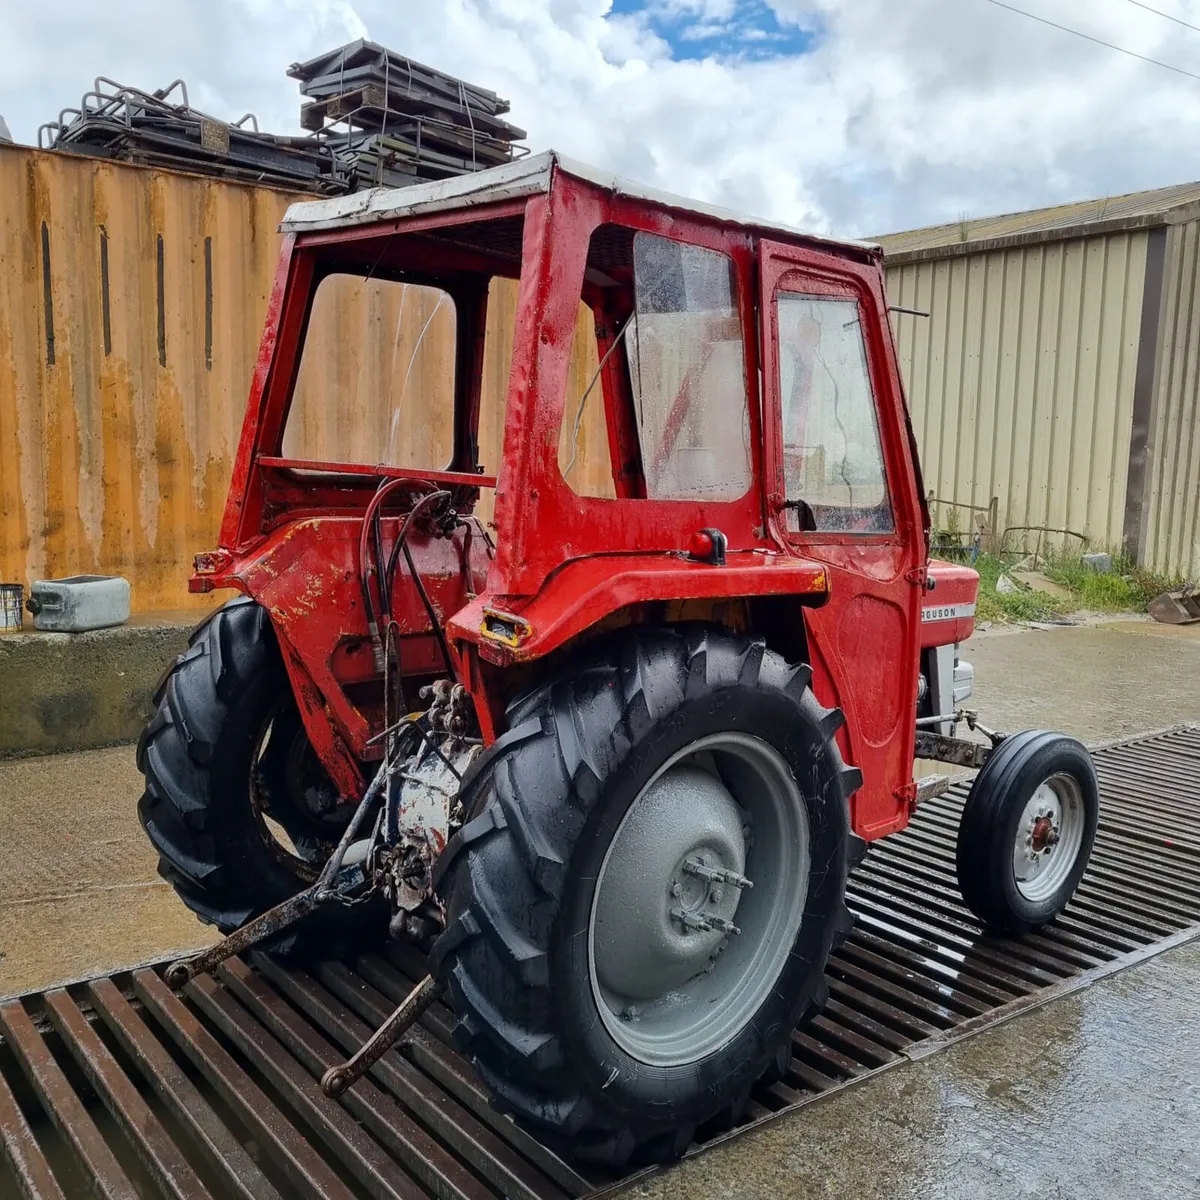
[
  {"x": 699, "y": 900},
  {"x": 299, "y": 839},
  {"x": 1049, "y": 838}
]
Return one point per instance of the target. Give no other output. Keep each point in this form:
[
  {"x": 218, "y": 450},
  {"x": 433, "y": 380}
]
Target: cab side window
[
  {"x": 671, "y": 325},
  {"x": 833, "y": 463},
  {"x": 687, "y": 367}
]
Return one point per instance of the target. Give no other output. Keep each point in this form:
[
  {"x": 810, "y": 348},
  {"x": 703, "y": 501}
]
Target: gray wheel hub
[
  {"x": 654, "y": 915},
  {"x": 1049, "y": 838},
  {"x": 699, "y": 899}
]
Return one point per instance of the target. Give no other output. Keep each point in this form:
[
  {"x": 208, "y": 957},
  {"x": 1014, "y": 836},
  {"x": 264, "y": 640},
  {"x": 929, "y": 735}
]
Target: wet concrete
[
  {"x": 1094, "y": 1096},
  {"x": 79, "y": 892},
  {"x": 1094, "y": 681}
]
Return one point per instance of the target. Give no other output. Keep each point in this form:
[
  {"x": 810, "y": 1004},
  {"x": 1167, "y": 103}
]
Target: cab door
[{"x": 842, "y": 489}]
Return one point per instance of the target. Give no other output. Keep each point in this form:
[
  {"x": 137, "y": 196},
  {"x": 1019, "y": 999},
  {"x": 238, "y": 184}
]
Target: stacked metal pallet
[
  {"x": 393, "y": 121},
  {"x": 151, "y": 128},
  {"x": 375, "y": 118}
]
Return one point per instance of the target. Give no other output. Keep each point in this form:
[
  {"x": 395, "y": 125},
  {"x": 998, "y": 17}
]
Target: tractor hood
[{"x": 948, "y": 608}]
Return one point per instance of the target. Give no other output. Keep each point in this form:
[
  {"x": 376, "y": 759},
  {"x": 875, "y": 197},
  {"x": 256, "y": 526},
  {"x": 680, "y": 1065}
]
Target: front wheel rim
[
  {"x": 1049, "y": 838},
  {"x": 699, "y": 900}
]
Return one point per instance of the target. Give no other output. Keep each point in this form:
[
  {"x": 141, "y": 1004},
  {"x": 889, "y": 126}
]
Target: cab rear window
[{"x": 376, "y": 378}]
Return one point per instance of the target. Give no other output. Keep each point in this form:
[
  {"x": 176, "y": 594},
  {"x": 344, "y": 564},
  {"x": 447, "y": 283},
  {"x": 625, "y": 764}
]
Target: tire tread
[
  {"x": 527, "y": 818},
  {"x": 206, "y": 700}
]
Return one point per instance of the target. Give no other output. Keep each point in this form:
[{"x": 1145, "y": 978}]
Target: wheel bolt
[
  {"x": 689, "y": 920},
  {"x": 723, "y": 925},
  {"x": 697, "y": 866}
]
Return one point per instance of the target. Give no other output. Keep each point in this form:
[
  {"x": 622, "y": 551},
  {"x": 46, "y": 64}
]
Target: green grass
[
  {"x": 1127, "y": 588},
  {"x": 1004, "y": 608}
]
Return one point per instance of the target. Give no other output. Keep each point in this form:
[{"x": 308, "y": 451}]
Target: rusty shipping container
[{"x": 131, "y": 305}]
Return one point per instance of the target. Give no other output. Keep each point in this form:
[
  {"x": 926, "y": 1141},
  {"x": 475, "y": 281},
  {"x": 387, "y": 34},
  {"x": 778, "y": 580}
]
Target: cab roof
[{"x": 525, "y": 177}]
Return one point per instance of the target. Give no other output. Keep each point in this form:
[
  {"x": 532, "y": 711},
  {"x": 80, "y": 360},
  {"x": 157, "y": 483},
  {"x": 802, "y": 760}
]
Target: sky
[{"x": 851, "y": 117}]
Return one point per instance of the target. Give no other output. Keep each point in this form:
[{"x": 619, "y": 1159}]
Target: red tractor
[{"x": 602, "y": 729}]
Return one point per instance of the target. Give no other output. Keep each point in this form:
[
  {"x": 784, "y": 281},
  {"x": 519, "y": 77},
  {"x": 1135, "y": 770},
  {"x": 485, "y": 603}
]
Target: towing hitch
[
  {"x": 335, "y": 884},
  {"x": 273, "y": 921}
]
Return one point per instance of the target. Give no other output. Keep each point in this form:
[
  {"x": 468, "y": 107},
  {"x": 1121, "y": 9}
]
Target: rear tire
[
  {"x": 221, "y": 753},
  {"x": 1027, "y": 830},
  {"x": 530, "y": 878}
]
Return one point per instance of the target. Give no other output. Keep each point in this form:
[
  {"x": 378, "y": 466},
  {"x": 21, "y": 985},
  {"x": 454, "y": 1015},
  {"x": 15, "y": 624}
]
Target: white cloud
[{"x": 902, "y": 114}]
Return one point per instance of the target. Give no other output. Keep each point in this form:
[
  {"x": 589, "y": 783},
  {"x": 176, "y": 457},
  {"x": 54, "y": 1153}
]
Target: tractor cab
[{"x": 637, "y": 408}]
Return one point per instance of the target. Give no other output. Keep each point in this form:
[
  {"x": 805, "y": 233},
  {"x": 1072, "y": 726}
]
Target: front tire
[
  {"x": 1027, "y": 830},
  {"x": 602, "y": 991}
]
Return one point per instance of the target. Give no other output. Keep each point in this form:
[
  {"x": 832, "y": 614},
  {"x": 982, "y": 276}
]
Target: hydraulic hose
[{"x": 373, "y": 615}]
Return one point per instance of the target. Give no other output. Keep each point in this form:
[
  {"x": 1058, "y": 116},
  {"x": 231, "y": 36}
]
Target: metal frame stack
[
  {"x": 375, "y": 118},
  {"x": 125, "y": 123},
  {"x": 394, "y": 121}
]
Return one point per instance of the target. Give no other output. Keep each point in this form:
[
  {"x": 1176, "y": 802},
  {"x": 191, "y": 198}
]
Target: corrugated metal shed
[
  {"x": 1059, "y": 367},
  {"x": 1130, "y": 211},
  {"x": 1169, "y": 525},
  {"x": 1021, "y": 380}
]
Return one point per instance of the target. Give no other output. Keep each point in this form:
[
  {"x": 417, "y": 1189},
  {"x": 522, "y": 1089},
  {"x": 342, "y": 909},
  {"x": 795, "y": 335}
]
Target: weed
[
  {"x": 1126, "y": 588},
  {"x": 1006, "y": 607},
  {"x": 948, "y": 539}
]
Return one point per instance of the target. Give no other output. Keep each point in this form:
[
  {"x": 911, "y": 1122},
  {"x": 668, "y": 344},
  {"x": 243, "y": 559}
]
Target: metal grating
[{"x": 118, "y": 1088}]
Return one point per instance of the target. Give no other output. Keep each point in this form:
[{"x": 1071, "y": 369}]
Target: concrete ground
[
  {"x": 1093, "y": 1096},
  {"x": 79, "y": 893},
  {"x": 1096, "y": 1096},
  {"x": 1096, "y": 681}
]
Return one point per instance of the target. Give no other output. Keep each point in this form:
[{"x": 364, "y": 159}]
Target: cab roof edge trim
[{"x": 524, "y": 177}]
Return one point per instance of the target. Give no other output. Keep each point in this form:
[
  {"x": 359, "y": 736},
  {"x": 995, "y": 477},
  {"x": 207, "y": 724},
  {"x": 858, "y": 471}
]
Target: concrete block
[
  {"x": 1098, "y": 562},
  {"x": 76, "y": 691},
  {"x": 1040, "y": 583}
]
